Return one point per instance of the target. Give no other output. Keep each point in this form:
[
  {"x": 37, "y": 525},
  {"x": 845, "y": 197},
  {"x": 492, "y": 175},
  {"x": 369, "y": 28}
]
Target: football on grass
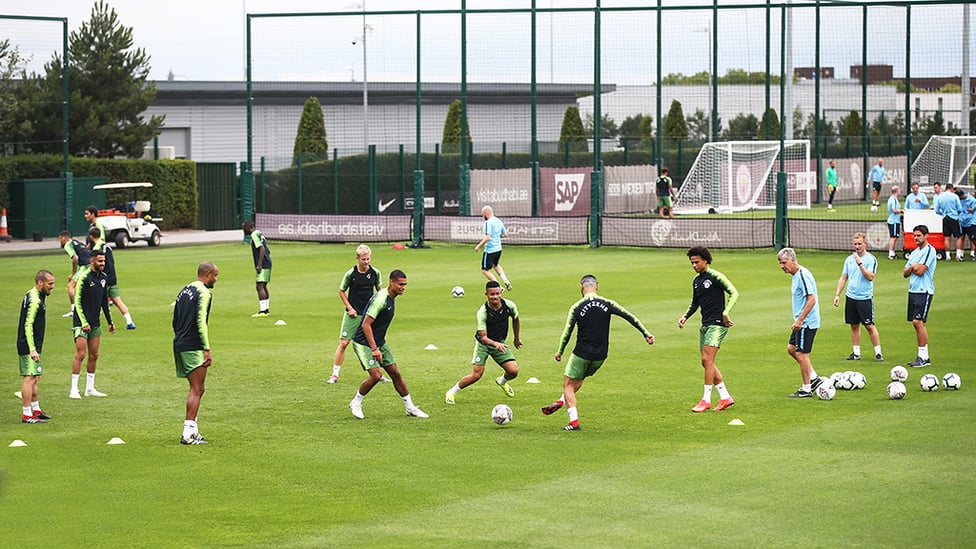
[
  {"x": 826, "y": 391},
  {"x": 929, "y": 382},
  {"x": 896, "y": 390},
  {"x": 951, "y": 381},
  {"x": 899, "y": 373},
  {"x": 501, "y": 414},
  {"x": 457, "y": 291}
]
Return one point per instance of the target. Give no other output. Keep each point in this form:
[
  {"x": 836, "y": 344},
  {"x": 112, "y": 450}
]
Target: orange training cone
[{"x": 3, "y": 226}]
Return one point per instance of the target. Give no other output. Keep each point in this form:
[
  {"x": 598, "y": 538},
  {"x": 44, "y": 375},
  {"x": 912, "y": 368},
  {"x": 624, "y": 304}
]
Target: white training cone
[
  {"x": 116, "y": 440},
  {"x": 281, "y": 323},
  {"x": 736, "y": 422},
  {"x": 430, "y": 347},
  {"x": 18, "y": 394},
  {"x": 17, "y": 443},
  {"x": 532, "y": 380}
]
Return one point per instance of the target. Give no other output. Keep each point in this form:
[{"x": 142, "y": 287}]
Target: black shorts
[
  {"x": 918, "y": 306},
  {"x": 859, "y": 311},
  {"x": 876, "y": 185},
  {"x": 970, "y": 231},
  {"x": 894, "y": 230},
  {"x": 490, "y": 260},
  {"x": 950, "y": 227},
  {"x": 802, "y": 339}
]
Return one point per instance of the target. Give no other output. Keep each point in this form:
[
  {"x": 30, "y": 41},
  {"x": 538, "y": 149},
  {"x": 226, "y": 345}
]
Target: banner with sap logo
[
  {"x": 521, "y": 230},
  {"x": 565, "y": 191},
  {"x": 508, "y": 192},
  {"x": 334, "y": 228}
]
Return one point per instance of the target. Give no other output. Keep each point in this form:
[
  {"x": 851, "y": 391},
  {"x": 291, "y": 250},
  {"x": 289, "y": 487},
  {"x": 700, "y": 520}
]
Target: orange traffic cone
[{"x": 4, "y": 235}]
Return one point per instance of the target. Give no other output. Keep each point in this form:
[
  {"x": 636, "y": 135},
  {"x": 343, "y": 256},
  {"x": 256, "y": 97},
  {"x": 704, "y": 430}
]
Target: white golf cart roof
[{"x": 144, "y": 184}]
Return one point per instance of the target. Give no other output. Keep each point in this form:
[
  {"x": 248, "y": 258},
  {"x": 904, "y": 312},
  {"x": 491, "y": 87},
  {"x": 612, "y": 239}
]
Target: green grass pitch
[{"x": 289, "y": 466}]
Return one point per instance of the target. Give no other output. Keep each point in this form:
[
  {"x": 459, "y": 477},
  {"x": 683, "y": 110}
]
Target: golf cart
[{"x": 132, "y": 221}]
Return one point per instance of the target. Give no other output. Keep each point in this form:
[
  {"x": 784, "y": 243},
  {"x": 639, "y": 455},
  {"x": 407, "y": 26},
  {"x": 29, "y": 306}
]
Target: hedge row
[{"x": 173, "y": 195}]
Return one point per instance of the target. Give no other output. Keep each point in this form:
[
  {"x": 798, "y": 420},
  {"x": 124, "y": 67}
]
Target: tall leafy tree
[
  {"x": 675, "y": 126},
  {"x": 108, "y": 92},
  {"x": 13, "y": 125},
  {"x": 770, "y": 120},
  {"x": 698, "y": 125},
  {"x": 742, "y": 126},
  {"x": 608, "y": 126},
  {"x": 451, "y": 139},
  {"x": 850, "y": 125},
  {"x": 310, "y": 140},
  {"x": 630, "y": 130},
  {"x": 572, "y": 136}
]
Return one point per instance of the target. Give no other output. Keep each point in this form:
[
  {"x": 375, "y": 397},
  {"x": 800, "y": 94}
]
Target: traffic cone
[{"x": 4, "y": 235}]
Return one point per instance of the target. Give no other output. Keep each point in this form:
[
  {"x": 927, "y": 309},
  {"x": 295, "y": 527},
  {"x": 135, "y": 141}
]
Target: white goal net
[
  {"x": 945, "y": 159},
  {"x": 737, "y": 176}
]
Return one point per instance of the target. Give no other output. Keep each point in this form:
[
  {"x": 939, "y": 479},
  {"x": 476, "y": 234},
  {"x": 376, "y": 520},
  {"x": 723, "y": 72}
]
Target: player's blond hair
[{"x": 363, "y": 249}]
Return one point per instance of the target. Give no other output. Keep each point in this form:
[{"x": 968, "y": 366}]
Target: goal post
[
  {"x": 738, "y": 176},
  {"x": 945, "y": 159}
]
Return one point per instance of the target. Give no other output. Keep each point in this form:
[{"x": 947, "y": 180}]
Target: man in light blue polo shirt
[
  {"x": 916, "y": 200},
  {"x": 920, "y": 272},
  {"x": 967, "y": 220},
  {"x": 492, "y": 241},
  {"x": 875, "y": 178},
  {"x": 894, "y": 220},
  {"x": 806, "y": 320},
  {"x": 947, "y": 205},
  {"x": 858, "y": 274}
]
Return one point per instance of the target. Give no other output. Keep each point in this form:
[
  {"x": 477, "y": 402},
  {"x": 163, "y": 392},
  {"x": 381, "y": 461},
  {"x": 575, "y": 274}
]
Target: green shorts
[
  {"x": 579, "y": 368},
  {"x": 712, "y": 336},
  {"x": 365, "y": 356},
  {"x": 263, "y": 276},
  {"x": 482, "y": 352},
  {"x": 664, "y": 202},
  {"x": 28, "y": 367},
  {"x": 113, "y": 291},
  {"x": 349, "y": 325},
  {"x": 187, "y": 361},
  {"x": 77, "y": 332}
]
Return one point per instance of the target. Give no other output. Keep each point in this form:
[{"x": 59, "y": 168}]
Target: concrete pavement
[{"x": 182, "y": 237}]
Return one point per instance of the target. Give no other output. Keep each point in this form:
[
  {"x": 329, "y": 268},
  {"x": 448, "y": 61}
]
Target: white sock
[
  {"x": 923, "y": 352},
  {"x": 805, "y": 387},
  {"x": 35, "y": 405},
  {"x": 74, "y": 382},
  {"x": 408, "y": 402},
  {"x": 358, "y": 399},
  {"x": 128, "y": 318},
  {"x": 723, "y": 391},
  {"x": 89, "y": 381},
  {"x": 27, "y": 411},
  {"x": 189, "y": 428},
  {"x": 335, "y": 369},
  {"x": 707, "y": 393},
  {"x": 877, "y": 349},
  {"x": 573, "y": 414},
  {"x": 454, "y": 390},
  {"x": 813, "y": 374},
  {"x": 959, "y": 254},
  {"x": 505, "y": 280},
  {"x": 857, "y": 349},
  {"x": 501, "y": 380},
  {"x": 264, "y": 304}
]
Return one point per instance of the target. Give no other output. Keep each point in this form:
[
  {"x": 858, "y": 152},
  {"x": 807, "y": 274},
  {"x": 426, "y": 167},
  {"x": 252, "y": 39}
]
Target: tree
[
  {"x": 608, "y": 126},
  {"x": 881, "y": 126},
  {"x": 742, "y": 126},
  {"x": 108, "y": 91},
  {"x": 698, "y": 125},
  {"x": 630, "y": 130},
  {"x": 936, "y": 125},
  {"x": 451, "y": 139},
  {"x": 770, "y": 120},
  {"x": 13, "y": 125},
  {"x": 572, "y": 136},
  {"x": 310, "y": 142},
  {"x": 850, "y": 125},
  {"x": 675, "y": 127}
]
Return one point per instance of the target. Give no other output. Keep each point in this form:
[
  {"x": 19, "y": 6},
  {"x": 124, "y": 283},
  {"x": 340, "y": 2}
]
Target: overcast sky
[{"x": 204, "y": 39}]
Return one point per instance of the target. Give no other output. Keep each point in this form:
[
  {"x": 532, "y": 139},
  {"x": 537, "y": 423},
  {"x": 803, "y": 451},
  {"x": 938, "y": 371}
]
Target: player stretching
[
  {"x": 592, "y": 315},
  {"x": 708, "y": 292},
  {"x": 30, "y": 340},
  {"x": 191, "y": 343},
  {"x": 262, "y": 267},
  {"x": 371, "y": 349},
  {"x": 489, "y": 340}
]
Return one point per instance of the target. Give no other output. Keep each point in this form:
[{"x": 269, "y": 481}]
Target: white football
[
  {"x": 826, "y": 391},
  {"x": 858, "y": 380},
  {"x": 874, "y": 208},
  {"x": 835, "y": 379},
  {"x": 929, "y": 382},
  {"x": 951, "y": 381},
  {"x": 501, "y": 414},
  {"x": 845, "y": 383},
  {"x": 899, "y": 373},
  {"x": 457, "y": 291},
  {"x": 896, "y": 390}
]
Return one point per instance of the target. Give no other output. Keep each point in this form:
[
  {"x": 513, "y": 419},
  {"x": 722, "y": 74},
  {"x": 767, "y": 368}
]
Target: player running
[
  {"x": 357, "y": 286},
  {"x": 708, "y": 292},
  {"x": 489, "y": 340},
  {"x": 591, "y": 315}
]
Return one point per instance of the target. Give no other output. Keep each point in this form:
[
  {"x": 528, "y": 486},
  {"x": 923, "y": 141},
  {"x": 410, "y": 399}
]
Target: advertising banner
[
  {"x": 521, "y": 230},
  {"x": 629, "y": 189},
  {"x": 685, "y": 233},
  {"x": 334, "y": 228},
  {"x": 565, "y": 191},
  {"x": 508, "y": 192},
  {"x": 390, "y": 203}
]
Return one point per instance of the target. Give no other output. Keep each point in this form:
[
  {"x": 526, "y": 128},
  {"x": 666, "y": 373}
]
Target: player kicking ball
[
  {"x": 489, "y": 340},
  {"x": 708, "y": 294}
]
